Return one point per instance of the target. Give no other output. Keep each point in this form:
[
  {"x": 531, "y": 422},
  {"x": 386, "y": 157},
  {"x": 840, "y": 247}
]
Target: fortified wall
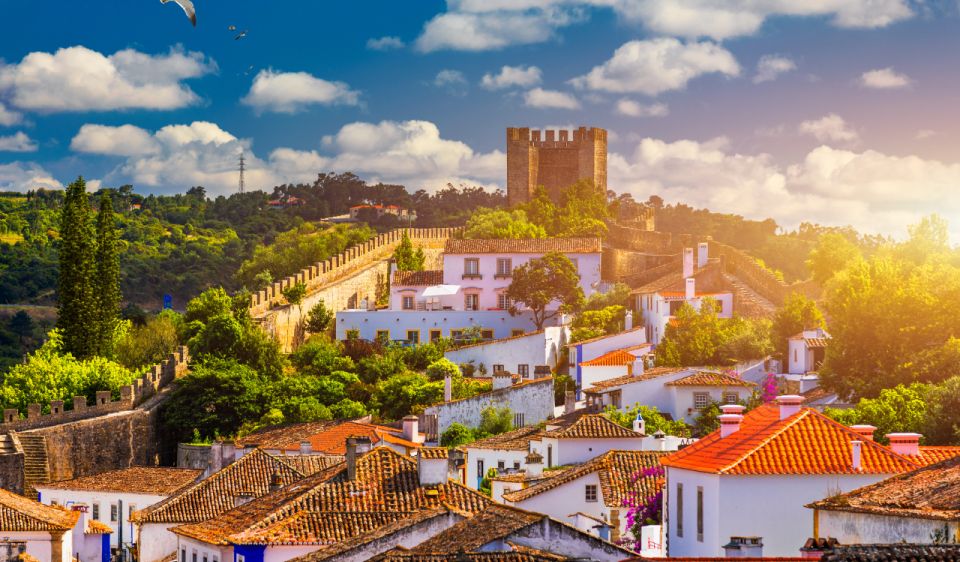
[{"x": 554, "y": 160}]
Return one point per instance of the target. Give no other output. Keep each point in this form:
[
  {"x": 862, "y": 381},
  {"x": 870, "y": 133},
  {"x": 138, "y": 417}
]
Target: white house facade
[
  {"x": 517, "y": 354},
  {"x": 805, "y": 351}
]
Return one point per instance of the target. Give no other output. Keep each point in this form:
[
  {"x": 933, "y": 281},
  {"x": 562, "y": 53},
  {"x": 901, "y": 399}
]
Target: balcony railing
[{"x": 472, "y": 276}]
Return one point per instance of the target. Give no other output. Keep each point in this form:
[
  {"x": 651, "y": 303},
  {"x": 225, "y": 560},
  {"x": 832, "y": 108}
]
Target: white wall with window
[
  {"x": 479, "y": 460},
  {"x": 105, "y": 508},
  {"x": 395, "y": 324},
  {"x": 689, "y": 400},
  {"x": 517, "y": 354},
  {"x": 575, "y": 451}
]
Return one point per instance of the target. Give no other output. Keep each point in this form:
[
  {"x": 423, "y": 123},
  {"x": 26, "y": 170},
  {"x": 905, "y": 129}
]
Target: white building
[
  {"x": 44, "y": 532},
  {"x": 753, "y": 477},
  {"x": 111, "y": 497},
  {"x": 678, "y": 392},
  {"x": 632, "y": 340},
  {"x": 806, "y": 350},
  {"x": 518, "y": 354}
]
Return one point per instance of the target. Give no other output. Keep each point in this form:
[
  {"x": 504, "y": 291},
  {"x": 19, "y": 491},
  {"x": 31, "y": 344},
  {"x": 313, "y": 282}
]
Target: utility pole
[{"x": 242, "y": 167}]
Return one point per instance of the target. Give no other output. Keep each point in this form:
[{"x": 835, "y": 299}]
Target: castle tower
[{"x": 554, "y": 160}]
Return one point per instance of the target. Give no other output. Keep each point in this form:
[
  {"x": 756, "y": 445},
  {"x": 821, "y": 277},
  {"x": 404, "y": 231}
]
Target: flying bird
[
  {"x": 231, "y": 28},
  {"x": 241, "y": 35},
  {"x": 188, "y": 9}
]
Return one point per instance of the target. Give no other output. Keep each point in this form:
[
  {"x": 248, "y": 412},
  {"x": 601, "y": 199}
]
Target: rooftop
[
  {"x": 934, "y": 454},
  {"x": 329, "y": 438},
  {"x": 594, "y": 426},
  {"x": 523, "y": 246},
  {"x": 894, "y": 552},
  {"x": 603, "y": 337},
  {"x": 516, "y": 554},
  {"x": 707, "y": 378},
  {"x": 615, "y": 358},
  {"x": 649, "y": 374},
  {"x": 516, "y": 440},
  {"x": 418, "y": 278},
  {"x": 21, "y": 514},
  {"x": 134, "y": 480},
  {"x": 806, "y": 442}
]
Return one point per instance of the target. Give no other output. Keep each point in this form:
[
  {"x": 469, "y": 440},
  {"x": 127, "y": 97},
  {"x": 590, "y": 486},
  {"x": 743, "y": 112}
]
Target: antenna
[{"x": 242, "y": 168}]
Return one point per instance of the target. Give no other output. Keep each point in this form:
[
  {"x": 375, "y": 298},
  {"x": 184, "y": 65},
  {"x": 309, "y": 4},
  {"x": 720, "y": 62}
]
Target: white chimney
[
  {"x": 856, "y": 451},
  {"x": 732, "y": 409},
  {"x": 864, "y": 431},
  {"x": 639, "y": 425},
  {"x": 744, "y": 547},
  {"x": 729, "y": 424},
  {"x": 433, "y": 471},
  {"x": 447, "y": 388},
  {"x": 305, "y": 448},
  {"x": 534, "y": 461},
  {"x": 687, "y": 262},
  {"x": 703, "y": 250},
  {"x": 907, "y": 444},
  {"x": 637, "y": 368},
  {"x": 628, "y": 321},
  {"x": 691, "y": 289},
  {"x": 789, "y": 405},
  {"x": 569, "y": 401},
  {"x": 502, "y": 379},
  {"x": 411, "y": 427}
]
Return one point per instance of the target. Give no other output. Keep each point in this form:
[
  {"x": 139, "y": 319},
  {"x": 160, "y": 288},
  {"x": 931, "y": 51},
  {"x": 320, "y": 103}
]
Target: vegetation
[
  {"x": 493, "y": 421},
  {"x": 698, "y": 338},
  {"x": 796, "y": 314},
  {"x": 542, "y": 281},
  {"x": 654, "y": 421},
  {"x": 406, "y": 258},
  {"x": 502, "y": 223},
  {"x": 77, "y": 311},
  {"x": 106, "y": 283}
]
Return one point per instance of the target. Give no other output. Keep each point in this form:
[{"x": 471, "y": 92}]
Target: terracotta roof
[
  {"x": 135, "y": 480},
  {"x": 814, "y": 343},
  {"x": 675, "y": 282},
  {"x": 934, "y": 454},
  {"x": 894, "y": 552},
  {"x": 328, "y": 438},
  {"x": 807, "y": 442},
  {"x": 496, "y": 522},
  {"x": 517, "y": 554},
  {"x": 494, "y": 342},
  {"x": 250, "y": 476},
  {"x": 433, "y": 453},
  {"x": 516, "y": 440},
  {"x": 95, "y": 527},
  {"x": 613, "y": 358},
  {"x": 616, "y": 470},
  {"x": 707, "y": 378},
  {"x": 719, "y": 558},
  {"x": 18, "y": 513},
  {"x": 310, "y": 464},
  {"x": 281, "y": 436},
  {"x": 418, "y": 278},
  {"x": 649, "y": 374},
  {"x": 523, "y": 246},
  {"x": 327, "y": 508},
  {"x": 931, "y": 492},
  {"x": 598, "y": 338},
  {"x": 594, "y": 426}
]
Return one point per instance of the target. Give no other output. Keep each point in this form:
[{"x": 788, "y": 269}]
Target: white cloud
[
  {"x": 631, "y": 108},
  {"x": 125, "y": 140},
  {"x": 385, "y": 43},
  {"x": 658, "y": 65},
  {"x": 550, "y": 99},
  {"x": 924, "y": 134},
  {"x": 453, "y": 81},
  {"x": 24, "y": 176},
  {"x": 9, "y": 117},
  {"x": 829, "y": 128},
  {"x": 512, "y": 76},
  {"x": 884, "y": 79},
  {"x": 770, "y": 67},
  {"x": 493, "y": 29},
  {"x": 80, "y": 79},
  {"x": 17, "y": 142},
  {"x": 290, "y": 92}
]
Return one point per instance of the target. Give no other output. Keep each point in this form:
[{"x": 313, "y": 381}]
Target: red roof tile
[
  {"x": 151, "y": 480},
  {"x": 706, "y": 378},
  {"x": 615, "y": 358},
  {"x": 934, "y": 454},
  {"x": 594, "y": 426},
  {"x": 649, "y": 374},
  {"x": 324, "y": 437},
  {"x": 18, "y": 513},
  {"x": 418, "y": 278}
]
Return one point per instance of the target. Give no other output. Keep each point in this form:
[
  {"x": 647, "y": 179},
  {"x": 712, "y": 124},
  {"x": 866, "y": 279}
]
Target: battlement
[
  {"x": 550, "y": 138},
  {"x": 132, "y": 395},
  {"x": 554, "y": 159}
]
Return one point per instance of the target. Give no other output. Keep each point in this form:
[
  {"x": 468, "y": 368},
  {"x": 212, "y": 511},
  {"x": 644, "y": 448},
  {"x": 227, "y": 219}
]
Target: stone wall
[
  {"x": 555, "y": 160},
  {"x": 632, "y": 267}
]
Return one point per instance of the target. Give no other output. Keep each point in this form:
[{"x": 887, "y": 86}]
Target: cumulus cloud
[
  {"x": 770, "y": 67},
  {"x": 453, "y": 81},
  {"x": 550, "y": 99},
  {"x": 385, "y": 43},
  {"x": 655, "y": 66},
  {"x": 491, "y": 29},
  {"x": 829, "y": 128},
  {"x": 17, "y": 142},
  {"x": 8, "y": 117},
  {"x": 24, "y": 176},
  {"x": 631, "y": 108},
  {"x": 125, "y": 140},
  {"x": 80, "y": 79},
  {"x": 512, "y": 76},
  {"x": 290, "y": 92},
  {"x": 884, "y": 79}
]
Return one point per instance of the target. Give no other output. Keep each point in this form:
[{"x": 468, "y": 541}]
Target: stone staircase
[
  {"x": 7, "y": 445},
  {"x": 748, "y": 302},
  {"x": 36, "y": 468}
]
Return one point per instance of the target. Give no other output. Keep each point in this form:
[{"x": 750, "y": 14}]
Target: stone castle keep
[{"x": 554, "y": 160}]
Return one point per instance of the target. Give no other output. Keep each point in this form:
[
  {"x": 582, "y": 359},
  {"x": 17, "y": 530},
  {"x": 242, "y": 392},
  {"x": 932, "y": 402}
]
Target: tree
[
  {"x": 653, "y": 420},
  {"x": 796, "y": 314},
  {"x": 494, "y": 421},
  {"x": 501, "y": 223},
  {"x": 546, "y": 281},
  {"x": 405, "y": 393},
  {"x": 295, "y": 294},
  {"x": 406, "y": 258},
  {"x": 142, "y": 346},
  {"x": 457, "y": 434},
  {"x": 22, "y": 325},
  {"x": 76, "y": 308},
  {"x": 319, "y": 318},
  {"x": 107, "y": 280},
  {"x": 701, "y": 337},
  {"x": 898, "y": 409},
  {"x": 594, "y": 323},
  {"x": 832, "y": 253},
  {"x": 441, "y": 368},
  {"x": 942, "y": 424}
]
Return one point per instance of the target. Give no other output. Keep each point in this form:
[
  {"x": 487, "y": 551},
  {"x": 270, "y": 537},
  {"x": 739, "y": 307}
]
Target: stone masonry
[{"x": 553, "y": 160}]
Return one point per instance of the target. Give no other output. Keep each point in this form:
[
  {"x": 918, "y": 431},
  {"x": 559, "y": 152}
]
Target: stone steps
[
  {"x": 36, "y": 466},
  {"x": 748, "y": 302}
]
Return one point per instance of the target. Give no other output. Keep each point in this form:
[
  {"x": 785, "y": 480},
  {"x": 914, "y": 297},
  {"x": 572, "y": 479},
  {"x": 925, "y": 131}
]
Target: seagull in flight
[
  {"x": 241, "y": 35},
  {"x": 188, "y": 9}
]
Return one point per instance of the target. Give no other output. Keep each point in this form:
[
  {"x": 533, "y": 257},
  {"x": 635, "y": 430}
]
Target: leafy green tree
[
  {"x": 294, "y": 294},
  {"x": 76, "y": 306},
  {"x": 142, "y": 346},
  {"x": 899, "y": 409},
  {"x": 348, "y": 409},
  {"x": 594, "y": 323},
  {"x": 796, "y": 314},
  {"x": 494, "y": 421},
  {"x": 107, "y": 281},
  {"x": 542, "y": 282},
  {"x": 441, "y": 368},
  {"x": 405, "y": 393},
  {"x": 583, "y": 211},
  {"x": 501, "y": 223},
  {"x": 455, "y": 435},
  {"x": 654, "y": 421},
  {"x": 22, "y": 325},
  {"x": 701, "y": 337},
  {"x": 832, "y": 253},
  {"x": 319, "y": 318},
  {"x": 486, "y": 483},
  {"x": 406, "y": 257},
  {"x": 321, "y": 357},
  {"x": 942, "y": 423}
]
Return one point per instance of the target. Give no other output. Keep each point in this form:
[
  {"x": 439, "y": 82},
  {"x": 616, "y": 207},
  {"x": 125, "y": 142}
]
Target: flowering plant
[{"x": 643, "y": 511}]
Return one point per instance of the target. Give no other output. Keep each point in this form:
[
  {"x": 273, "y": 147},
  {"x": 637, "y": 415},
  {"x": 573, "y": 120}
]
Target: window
[
  {"x": 114, "y": 512},
  {"x": 516, "y": 465},
  {"x": 497, "y": 367},
  {"x": 504, "y": 267},
  {"x": 471, "y": 301},
  {"x": 54, "y": 501},
  {"x": 679, "y": 509},
  {"x": 183, "y": 555},
  {"x": 501, "y": 465},
  {"x": 133, "y": 507},
  {"x": 518, "y": 420},
  {"x": 96, "y": 512},
  {"x": 515, "y": 332},
  {"x": 479, "y": 468},
  {"x": 730, "y": 397},
  {"x": 486, "y": 334},
  {"x": 216, "y": 558},
  {"x": 408, "y": 302},
  {"x": 549, "y": 455},
  {"x": 523, "y": 370},
  {"x": 383, "y": 336},
  {"x": 205, "y": 557},
  {"x": 193, "y": 556},
  {"x": 241, "y": 558},
  {"x": 590, "y": 492},
  {"x": 413, "y": 336},
  {"x": 436, "y": 335},
  {"x": 700, "y": 400},
  {"x": 503, "y": 302},
  {"x": 700, "y": 513},
  {"x": 795, "y": 356},
  {"x": 471, "y": 268}
]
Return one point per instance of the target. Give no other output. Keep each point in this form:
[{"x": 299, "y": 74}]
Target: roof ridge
[{"x": 763, "y": 443}]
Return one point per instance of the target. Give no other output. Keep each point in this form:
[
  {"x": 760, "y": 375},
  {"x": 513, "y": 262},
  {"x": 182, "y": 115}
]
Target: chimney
[
  {"x": 744, "y": 547},
  {"x": 356, "y": 446},
  {"x": 907, "y": 444},
  {"x": 628, "y": 321},
  {"x": 864, "y": 431},
  {"x": 534, "y": 462},
  {"x": 569, "y": 401},
  {"x": 276, "y": 481},
  {"x": 691, "y": 289},
  {"x": 789, "y": 405},
  {"x": 703, "y": 250},
  {"x": 432, "y": 471},
  {"x": 732, "y": 409},
  {"x": 639, "y": 425},
  {"x": 447, "y": 388},
  {"x": 411, "y": 428},
  {"x": 856, "y": 451},
  {"x": 687, "y": 262},
  {"x": 502, "y": 379},
  {"x": 729, "y": 424},
  {"x": 814, "y": 549},
  {"x": 306, "y": 448},
  {"x": 216, "y": 458}
]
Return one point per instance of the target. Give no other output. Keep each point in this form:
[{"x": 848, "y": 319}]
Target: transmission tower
[{"x": 242, "y": 168}]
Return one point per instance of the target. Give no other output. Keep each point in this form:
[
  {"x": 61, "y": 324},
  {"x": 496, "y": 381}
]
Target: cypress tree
[
  {"x": 76, "y": 305},
  {"x": 107, "y": 280}
]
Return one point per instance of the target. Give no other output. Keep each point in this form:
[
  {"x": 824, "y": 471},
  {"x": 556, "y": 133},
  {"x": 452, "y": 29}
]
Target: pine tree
[
  {"x": 107, "y": 281},
  {"x": 76, "y": 305}
]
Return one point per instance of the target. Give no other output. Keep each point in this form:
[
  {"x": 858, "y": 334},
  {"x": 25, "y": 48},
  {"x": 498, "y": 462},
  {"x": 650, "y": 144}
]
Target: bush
[
  {"x": 149, "y": 344},
  {"x": 319, "y": 319},
  {"x": 457, "y": 434},
  {"x": 442, "y": 368}
]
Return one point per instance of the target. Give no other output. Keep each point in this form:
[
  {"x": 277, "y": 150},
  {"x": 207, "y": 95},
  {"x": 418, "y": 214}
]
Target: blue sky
[{"x": 830, "y": 111}]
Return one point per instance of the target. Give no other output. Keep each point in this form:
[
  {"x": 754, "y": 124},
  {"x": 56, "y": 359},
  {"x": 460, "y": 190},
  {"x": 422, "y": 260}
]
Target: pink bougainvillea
[{"x": 643, "y": 511}]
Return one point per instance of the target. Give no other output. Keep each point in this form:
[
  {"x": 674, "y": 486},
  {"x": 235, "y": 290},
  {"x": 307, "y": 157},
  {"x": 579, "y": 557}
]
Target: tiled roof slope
[
  {"x": 594, "y": 426},
  {"x": 329, "y": 438},
  {"x": 516, "y": 440},
  {"x": 280, "y": 436},
  {"x": 894, "y": 553},
  {"x": 494, "y": 523},
  {"x": 307, "y": 511},
  {"x": 310, "y": 464},
  {"x": 649, "y": 374},
  {"x": 20, "y": 514},
  {"x": 517, "y": 554},
  {"x": 934, "y": 454},
  {"x": 616, "y": 470},
  {"x": 95, "y": 527},
  {"x": 805, "y": 443},
  {"x": 249, "y": 476},
  {"x": 418, "y": 278},
  {"x": 613, "y": 358},
  {"x": 434, "y": 453},
  {"x": 931, "y": 492},
  {"x": 706, "y": 378},
  {"x": 158, "y": 481},
  {"x": 523, "y": 246}
]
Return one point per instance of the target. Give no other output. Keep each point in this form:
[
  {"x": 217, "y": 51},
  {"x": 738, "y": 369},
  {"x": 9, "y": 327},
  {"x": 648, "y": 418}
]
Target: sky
[{"x": 837, "y": 112}]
